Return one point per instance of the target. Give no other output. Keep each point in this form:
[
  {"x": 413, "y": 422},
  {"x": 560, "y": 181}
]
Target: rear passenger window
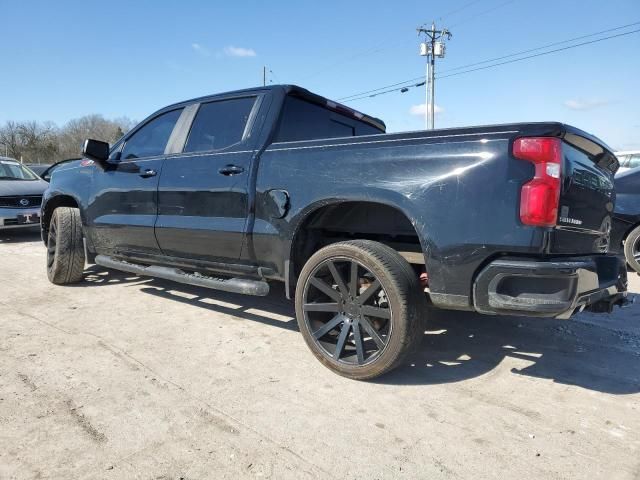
[
  {"x": 219, "y": 124},
  {"x": 151, "y": 139},
  {"x": 303, "y": 120}
]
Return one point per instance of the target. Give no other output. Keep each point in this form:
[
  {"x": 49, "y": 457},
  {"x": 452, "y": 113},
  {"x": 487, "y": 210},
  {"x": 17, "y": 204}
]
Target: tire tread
[{"x": 69, "y": 257}]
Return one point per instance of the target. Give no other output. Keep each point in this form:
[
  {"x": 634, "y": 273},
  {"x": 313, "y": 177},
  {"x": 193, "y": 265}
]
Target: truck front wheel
[
  {"x": 65, "y": 249},
  {"x": 359, "y": 307}
]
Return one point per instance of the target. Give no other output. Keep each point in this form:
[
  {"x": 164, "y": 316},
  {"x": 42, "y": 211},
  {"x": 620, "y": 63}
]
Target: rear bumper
[{"x": 551, "y": 288}]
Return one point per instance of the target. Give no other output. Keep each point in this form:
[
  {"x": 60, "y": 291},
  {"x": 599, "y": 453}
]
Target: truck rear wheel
[
  {"x": 632, "y": 249},
  {"x": 359, "y": 307},
  {"x": 65, "y": 249}
]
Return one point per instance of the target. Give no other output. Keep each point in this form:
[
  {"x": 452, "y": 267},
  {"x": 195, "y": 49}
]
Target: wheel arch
[
  {"x": 61, "y": 200},
  {"x": 357, "y": 207}
]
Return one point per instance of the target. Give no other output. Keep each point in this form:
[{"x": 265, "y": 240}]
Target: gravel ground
[{"x": 122, "y": 377}]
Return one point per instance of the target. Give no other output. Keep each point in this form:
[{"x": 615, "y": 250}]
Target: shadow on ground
[
  {"x": 462, "y": 345},
  {"x": 19, "y": 235},
  {"x": 274, "y": 310},
  {"x": 456, "y": 345}
]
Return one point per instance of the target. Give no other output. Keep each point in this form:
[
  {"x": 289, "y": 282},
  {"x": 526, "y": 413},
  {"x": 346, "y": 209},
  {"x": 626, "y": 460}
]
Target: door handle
[
  {"x": 148, "y": 173},
  {"x": 229, "y": 170}
]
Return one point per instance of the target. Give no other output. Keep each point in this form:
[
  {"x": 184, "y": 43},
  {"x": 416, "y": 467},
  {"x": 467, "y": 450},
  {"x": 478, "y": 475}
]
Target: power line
[
  {"x": 542, "y": 53},
  {"x": 348, "y": 97},
  {"x": 273, "y": 74},
  {"x": 406, "y": 87},
  {"x": 540, "y": 48},
  {"x": 484, "y": 12},
  {"x": 388, "y": 88},
  {"x": 371, "y": 50},
  {"x": 380, "y": 47},
  {"x": 399, "y": 89},
  {"x": 458, "y": 10}
]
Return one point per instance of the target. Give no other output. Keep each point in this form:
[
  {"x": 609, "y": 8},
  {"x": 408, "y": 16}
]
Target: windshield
[{"x": 15, "y": 171}]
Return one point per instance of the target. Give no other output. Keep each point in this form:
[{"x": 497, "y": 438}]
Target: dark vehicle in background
[
  {"x": 625, "y": 234},
  {"x": 46, "y": 173},
  {"x": 20, "y": 195},
  {"x": 45, "y": 170},
  {"x": 365, "y": 229},
  {"x": 38, "y": 168}
]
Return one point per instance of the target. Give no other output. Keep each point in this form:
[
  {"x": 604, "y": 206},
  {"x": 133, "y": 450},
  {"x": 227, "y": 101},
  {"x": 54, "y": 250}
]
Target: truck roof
[{"x": 302, "y": 93}]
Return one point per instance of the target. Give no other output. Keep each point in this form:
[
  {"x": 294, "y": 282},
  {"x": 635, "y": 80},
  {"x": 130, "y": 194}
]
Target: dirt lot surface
[{"x": 122, "y": 377}]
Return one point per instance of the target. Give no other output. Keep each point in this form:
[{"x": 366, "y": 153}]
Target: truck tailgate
[{"x": 587, "y": 197}]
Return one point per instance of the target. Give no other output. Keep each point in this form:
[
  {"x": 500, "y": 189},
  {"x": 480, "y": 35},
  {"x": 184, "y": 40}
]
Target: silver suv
[{"x": 20, "y": 195}]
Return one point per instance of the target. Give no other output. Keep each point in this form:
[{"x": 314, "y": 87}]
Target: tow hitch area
[{"x": 606, "y": 306}]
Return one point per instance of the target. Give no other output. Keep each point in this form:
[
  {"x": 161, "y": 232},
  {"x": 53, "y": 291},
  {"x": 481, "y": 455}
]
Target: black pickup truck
[{"x": 367, "y": 230}]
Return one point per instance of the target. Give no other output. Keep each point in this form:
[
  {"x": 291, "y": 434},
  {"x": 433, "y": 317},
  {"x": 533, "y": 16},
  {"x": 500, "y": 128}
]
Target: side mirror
[{"x": 95, "y": 150}]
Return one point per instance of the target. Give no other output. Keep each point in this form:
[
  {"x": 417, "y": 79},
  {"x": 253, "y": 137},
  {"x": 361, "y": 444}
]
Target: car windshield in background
[{"x": 15, "y": 171}]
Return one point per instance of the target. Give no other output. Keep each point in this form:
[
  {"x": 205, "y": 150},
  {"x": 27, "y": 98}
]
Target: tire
[
  {"x": 632, "y": 249},
  {"x": 365, "y": 328},
  {"x": 65, "y": 249}
]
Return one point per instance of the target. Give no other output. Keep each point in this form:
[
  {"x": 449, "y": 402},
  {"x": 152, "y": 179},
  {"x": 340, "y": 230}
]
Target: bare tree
[
  {"x": 44, "y": 142},
  {"x": 10, "y": 139},
  {"x": 38, "y": 141},
  {"x": 35, "y": 142},
  {"x": 75, "y": 132}
]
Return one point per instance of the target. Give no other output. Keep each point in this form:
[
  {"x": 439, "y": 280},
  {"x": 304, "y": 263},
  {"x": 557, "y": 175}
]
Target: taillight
[{"x": 539, "y": 197}]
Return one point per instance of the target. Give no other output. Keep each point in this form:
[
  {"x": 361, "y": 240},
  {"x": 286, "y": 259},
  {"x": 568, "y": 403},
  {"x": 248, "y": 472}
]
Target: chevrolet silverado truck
[{"x": 367, "y": 230}]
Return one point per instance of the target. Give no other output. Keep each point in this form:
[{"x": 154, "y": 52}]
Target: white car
[
  {"x": 628, "y": 160},
  {"x": 20, "y": 195}
]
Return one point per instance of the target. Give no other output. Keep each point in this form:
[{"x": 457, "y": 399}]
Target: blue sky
[{"x": 65, "y": 59}]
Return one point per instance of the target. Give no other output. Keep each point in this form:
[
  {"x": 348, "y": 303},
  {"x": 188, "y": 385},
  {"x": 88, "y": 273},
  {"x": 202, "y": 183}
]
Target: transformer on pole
[{"x": 432, "y": 47}]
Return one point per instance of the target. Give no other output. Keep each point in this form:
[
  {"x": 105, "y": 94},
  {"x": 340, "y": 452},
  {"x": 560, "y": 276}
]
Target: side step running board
[{"x": 235, "y": 285}]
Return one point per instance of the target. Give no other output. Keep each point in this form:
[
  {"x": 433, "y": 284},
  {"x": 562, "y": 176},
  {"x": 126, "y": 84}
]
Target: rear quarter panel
[{"x": 461, "y": 193}]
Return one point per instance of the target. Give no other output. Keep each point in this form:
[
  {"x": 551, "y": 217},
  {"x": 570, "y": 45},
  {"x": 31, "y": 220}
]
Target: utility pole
[
  {"x": 267, "y": 76},
  {"x": 432, "y": 47}
]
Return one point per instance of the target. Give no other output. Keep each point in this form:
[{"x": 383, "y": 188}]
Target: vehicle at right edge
[
  {"x": 625, "y": 234},
  {"x": 628, "y": 160}
]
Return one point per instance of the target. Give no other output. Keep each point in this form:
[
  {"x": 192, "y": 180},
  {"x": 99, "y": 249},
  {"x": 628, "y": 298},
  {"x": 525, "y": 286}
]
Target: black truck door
[
  {"x": 203, "y": 199},
  {"x": 123, "y": 209}
]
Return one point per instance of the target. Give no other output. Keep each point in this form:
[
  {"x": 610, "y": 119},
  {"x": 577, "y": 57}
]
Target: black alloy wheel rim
[
  {"x": 51, "y": 242},
  {"x": 346, "y": 311}
]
